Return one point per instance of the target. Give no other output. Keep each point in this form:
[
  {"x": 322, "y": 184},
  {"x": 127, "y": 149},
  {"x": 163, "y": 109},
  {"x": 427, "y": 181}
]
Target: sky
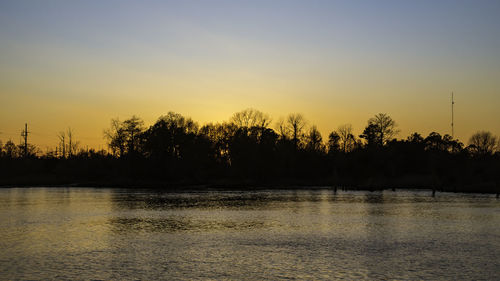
[{"x": 79, "y": 64}]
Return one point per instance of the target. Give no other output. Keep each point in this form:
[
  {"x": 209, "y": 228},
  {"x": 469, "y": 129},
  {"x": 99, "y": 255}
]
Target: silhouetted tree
[
  {"x": 452, "y": 145},
  {"x": 170, "y": 136},
  {"x": 11, "y": 150},
  {"x": 295, "y": 124},
  {"x": 445, "y": 143},
  {"x": 133, "y": 128},
  {"x": 251, "y": 118},
  {"x": 371, "y": 135},
  {"x": 281, "y": 129},
  {"x": 220, "y": 136},
  {"x": 434, "y": 141},
  {"x": 72, "y": 143},
  {"x": 415, "y": 138},
  {"x": 314, "y": 140},
  {"x": 482, "y": 143},
  {"x": 250, "y": 139},
  {"x": 384, "y": 127},
  {"x": 124, "y": 137},
  {"x": 347, "y": 139},
  {"x": 31, "y": 150},
  {"x": 116, "y": 137},
  {"x": 62, "y": 144},
  {"x": 333, "y": 142}
]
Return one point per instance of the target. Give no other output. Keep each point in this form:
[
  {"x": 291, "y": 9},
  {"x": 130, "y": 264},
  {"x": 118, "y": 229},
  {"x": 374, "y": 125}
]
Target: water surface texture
[{"x": 86, "y": 233}]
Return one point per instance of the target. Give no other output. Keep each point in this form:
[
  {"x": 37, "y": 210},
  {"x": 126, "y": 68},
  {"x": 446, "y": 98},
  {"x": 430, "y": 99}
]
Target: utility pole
[
  {"x": 24, "y": 134},
  {"x": 452, "y": 128}
]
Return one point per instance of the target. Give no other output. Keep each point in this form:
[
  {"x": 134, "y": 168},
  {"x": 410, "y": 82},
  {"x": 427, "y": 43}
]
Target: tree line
[{"x": 248, "y": 149}]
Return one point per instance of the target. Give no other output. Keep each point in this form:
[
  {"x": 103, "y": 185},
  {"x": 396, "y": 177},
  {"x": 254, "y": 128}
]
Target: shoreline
[{"x": 249, "y": 185}]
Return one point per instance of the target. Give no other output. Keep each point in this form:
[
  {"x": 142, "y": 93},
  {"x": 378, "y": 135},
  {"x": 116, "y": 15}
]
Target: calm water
[{"x": 85, "y": 233}]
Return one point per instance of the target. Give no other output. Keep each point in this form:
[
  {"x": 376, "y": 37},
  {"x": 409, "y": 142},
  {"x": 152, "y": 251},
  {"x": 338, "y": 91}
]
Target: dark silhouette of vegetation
[
  {"x": 347, "y": 139},
  {"x": 247, "y": 151},
  {"x": 383, "y": 128},
  {"x": 483, "y": 143}
]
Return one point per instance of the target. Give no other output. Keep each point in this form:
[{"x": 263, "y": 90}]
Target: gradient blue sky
[{"x": 80, "y": 63}]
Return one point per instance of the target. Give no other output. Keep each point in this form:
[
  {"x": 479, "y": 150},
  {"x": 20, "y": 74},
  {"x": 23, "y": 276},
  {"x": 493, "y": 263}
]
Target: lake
[{"x": 130, "y": 234}]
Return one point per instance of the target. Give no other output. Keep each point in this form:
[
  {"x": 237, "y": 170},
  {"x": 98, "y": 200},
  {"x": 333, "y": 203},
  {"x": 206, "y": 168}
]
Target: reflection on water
[
  {"x": 85, "y": 233},
  {"x": 181, "y": 224}
]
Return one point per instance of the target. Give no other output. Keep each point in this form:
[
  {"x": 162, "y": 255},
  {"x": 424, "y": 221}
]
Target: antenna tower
[{"x": 452, "y": 117}]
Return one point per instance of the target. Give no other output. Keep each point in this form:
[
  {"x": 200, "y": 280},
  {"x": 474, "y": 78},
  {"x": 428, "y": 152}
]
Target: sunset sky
[{"x": 80, "y": 63}]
